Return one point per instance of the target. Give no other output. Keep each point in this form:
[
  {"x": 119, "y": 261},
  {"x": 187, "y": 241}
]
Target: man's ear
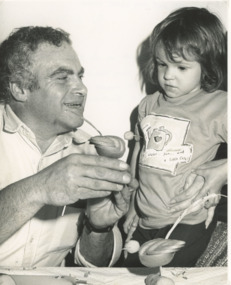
[{"x": 18, "y": 93}]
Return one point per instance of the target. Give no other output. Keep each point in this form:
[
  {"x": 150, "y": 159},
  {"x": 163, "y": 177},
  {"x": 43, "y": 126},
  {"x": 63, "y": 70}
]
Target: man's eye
[
  {"x": 64, "y": 77},
  {"x": 182, "y": 67}
]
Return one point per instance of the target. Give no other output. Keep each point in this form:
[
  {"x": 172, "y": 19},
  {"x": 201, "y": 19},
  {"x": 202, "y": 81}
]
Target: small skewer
[
  {"x": 189, "y": 210},
  {"x": 89, "y": 123},
  {"x": 93, "y": 126}
]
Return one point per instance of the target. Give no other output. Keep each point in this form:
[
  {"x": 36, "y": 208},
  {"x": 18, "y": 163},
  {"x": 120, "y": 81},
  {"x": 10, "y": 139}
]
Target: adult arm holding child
[{"x": 208, "y": 178}]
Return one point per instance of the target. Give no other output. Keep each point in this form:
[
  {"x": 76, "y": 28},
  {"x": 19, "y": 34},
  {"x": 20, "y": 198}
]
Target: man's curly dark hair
[{"x": 15, "y": 56}]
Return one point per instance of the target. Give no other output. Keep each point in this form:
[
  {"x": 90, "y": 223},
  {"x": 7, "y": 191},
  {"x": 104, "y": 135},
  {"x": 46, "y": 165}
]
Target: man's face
[{"x": 57, "y": 105}]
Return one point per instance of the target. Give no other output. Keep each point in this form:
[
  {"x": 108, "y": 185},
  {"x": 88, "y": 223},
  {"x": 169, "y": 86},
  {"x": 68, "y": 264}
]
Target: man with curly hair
[{"x": 45, "y": 164}]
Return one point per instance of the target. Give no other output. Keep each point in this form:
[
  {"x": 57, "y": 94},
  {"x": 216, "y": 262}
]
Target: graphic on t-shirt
[
  {"x": 158, "y": 138},
  {"x": 165, "y": 146}
]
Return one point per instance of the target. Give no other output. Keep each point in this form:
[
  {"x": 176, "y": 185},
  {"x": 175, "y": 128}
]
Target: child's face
[{"x": 179, "y": 77}]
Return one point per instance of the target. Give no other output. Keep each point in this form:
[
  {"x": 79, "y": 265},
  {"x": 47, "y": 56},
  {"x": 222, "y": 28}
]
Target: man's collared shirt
[{"x": 45, "y": 239}]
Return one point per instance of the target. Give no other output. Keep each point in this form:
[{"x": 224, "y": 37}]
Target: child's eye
[
  {"x": 161, "y": 64},
  {"x": 182, "y": 67}
]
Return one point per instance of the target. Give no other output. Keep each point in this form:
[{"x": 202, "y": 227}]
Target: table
[{"x": 114, "y": 276}]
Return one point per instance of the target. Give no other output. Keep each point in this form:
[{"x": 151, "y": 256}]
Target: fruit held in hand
[
  {"x": 159, "y": 252},
  {"x": 110, "y": 146},
  {"x": 154, "y": 279},
  {"x": 132, "y": 246}
]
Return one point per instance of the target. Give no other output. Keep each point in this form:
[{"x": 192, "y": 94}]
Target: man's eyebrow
[
  {"x": 66, "y": 70},
  {"x": 61, "y": 70}
]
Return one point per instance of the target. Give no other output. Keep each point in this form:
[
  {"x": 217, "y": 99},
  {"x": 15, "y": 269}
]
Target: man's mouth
[{"x": 72, "y": 105}]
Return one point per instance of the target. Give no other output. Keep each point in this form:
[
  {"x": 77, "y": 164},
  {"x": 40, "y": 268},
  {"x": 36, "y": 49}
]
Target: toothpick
[
  {"x": 93, "y": 126},
  {"x": 64, "y": 209},
  {"x": 190, "y": 210}
]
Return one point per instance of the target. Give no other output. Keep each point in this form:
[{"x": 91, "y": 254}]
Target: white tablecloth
[{"x": 115, "y": 276}]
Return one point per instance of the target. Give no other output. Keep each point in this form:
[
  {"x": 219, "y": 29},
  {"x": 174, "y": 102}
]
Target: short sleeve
[{"x": 147, "y": 104}]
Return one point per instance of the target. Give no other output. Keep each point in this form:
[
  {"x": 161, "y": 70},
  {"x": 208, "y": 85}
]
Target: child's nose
[{"x": 169, "y": 73}]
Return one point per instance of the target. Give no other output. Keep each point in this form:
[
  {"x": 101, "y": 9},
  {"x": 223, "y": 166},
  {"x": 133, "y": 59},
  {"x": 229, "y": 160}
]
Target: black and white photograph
[{"x": 113, "y": 142}]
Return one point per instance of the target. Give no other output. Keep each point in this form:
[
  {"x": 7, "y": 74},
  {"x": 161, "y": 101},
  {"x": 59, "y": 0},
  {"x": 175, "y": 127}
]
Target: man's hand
[
  {"x": 81, "y": 177},
  {"x": 193, "y": 185},
  {"x": 97, "y": 248},
  {"x": 215, "y": 177},
  {"x": 208, "y": 178},
  {"x": 103, "y": 212}
]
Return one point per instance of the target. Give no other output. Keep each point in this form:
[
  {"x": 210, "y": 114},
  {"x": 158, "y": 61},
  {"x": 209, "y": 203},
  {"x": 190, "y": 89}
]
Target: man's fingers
[
  {"x": 209, "y": 216},
  {"x": 126, "y": 193},
  {"x": 104, "y": 174},
  {"x": 119, "y": 199},
  {"x": 96, "y": 184},
  {"x": 85, "y": 193},
  {"x": 132, "y": 227},
  {"x": 212, "y": 202},
  {"x": 123, "y": 197},
  {"x": 194, "y": 183},
  {"x": 195, "y": 187},
  {"x": 101, "y": 161},
  {"x": 134, "y": 184},
  {"x": 176, "y": 207}
]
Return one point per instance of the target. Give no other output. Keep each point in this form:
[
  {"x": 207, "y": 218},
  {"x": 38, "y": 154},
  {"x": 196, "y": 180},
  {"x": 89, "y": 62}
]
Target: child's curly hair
[{"x": 196, "y": 33}]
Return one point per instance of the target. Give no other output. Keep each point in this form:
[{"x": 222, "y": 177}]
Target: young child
[{"x": 181, "y": 127}]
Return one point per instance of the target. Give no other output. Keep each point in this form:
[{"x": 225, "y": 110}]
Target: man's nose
[{"x": 79, "y": 86}]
